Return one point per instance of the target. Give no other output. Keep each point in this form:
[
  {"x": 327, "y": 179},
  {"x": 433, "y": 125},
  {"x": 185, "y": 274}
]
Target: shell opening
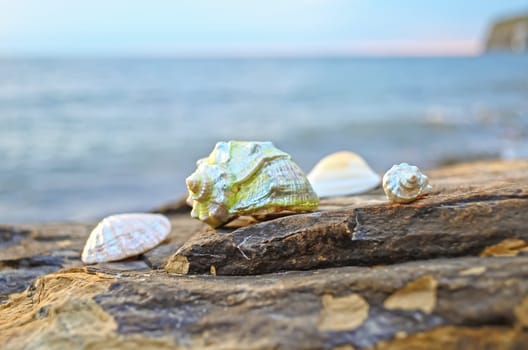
[{"x": 218, "y": 215}]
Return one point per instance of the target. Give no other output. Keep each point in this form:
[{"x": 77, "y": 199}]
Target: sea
[{"x": 84, "y": 138}]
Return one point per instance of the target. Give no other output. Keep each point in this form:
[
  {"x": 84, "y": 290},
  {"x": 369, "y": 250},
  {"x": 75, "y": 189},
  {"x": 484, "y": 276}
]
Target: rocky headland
[{"x": 508, "y": 35}]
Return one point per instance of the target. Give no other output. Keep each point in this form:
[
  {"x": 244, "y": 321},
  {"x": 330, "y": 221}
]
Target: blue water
[{"x": 80, "y": 139}]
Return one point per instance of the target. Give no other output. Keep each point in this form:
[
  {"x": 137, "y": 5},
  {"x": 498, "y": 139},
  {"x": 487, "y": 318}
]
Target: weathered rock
[
  {"x": 432, "y": 302},
  {"x": 29, "y": 251},
  {"x": 183, "y": 226},
  {"x": 462, "y": 216},
  {"x": 459, "y": 303}
]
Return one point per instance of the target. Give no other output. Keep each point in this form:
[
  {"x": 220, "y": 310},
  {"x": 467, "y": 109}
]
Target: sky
[{"x": 247, "y": 28}]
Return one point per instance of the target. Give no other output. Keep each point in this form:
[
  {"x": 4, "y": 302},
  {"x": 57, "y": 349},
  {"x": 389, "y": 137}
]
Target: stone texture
[
  {"x": 463, "y": 215},
  {"x": 447, "y": 272},
  {"x": 86, "y": 308}
]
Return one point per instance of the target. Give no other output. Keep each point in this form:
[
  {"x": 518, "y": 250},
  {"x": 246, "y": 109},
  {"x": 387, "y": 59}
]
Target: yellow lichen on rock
[
  {"x": 342, "y": 313},
  {"x": 59, "y": 312},
  {"x": 344, "y": 347},
  {"x": 178, "y": 264},
  {"x": 507, "y": 247},
  {"x": 53, "y": 310},
  {"x": 521, "y": 313},
  {"x": 419, "y": 294},
  {"x": 449, "y": 337}
]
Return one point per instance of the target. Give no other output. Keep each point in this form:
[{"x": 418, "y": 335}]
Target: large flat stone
[{"x": 471, "y": 207}]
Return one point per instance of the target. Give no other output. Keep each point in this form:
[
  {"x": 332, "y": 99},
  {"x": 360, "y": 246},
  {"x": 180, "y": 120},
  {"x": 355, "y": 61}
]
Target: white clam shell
[
  {"x": 342, "y": 173},
  {"x": 121, "y": 236},
  {"x": 404, "y": 183}
]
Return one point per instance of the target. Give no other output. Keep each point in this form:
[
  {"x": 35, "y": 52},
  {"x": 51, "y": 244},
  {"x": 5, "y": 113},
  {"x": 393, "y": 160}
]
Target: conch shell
[
  {"x": 247, "y": 178},
  {"x": 404, "y": 183},
  {"x": 342, "y": 173},
  {"x": 121, "y": 236}
]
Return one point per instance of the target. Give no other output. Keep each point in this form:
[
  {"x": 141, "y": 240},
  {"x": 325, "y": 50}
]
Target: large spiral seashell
[
  {"x": 247, "y": 178},
  {"x": 404, "y": 183}
]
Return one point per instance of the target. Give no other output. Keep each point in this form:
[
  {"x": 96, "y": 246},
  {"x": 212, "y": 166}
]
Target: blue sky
[{"x": 243, "y": 27}]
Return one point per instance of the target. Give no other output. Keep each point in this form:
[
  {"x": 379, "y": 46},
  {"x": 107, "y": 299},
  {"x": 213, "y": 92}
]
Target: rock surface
[
  {"x": 456, "y": 219},
  {"x": 447, "y": 272}
]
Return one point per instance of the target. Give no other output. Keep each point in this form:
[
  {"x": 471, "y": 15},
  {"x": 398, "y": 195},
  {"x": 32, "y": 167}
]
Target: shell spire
[
  {"x": 404, "y": 183},
  {"x": 247, "y": 178},
  {"x": 121, "y": 236}
]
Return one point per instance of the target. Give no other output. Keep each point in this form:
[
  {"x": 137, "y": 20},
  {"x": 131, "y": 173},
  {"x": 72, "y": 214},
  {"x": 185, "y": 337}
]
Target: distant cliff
[{"x": 508, "y": 35}]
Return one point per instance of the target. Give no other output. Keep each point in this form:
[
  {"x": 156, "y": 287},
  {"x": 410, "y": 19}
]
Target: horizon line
[
  {"x": 238, "y": 55},
  {"x": 233, "y": 57},
  {"x": 400, "y": 48}
]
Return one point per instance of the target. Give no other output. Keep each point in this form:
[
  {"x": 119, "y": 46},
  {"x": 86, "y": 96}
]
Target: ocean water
[{"x": 80, "y": 139}]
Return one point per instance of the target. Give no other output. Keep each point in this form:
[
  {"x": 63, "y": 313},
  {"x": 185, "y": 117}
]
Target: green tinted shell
[{"x": 247, "y": 178}]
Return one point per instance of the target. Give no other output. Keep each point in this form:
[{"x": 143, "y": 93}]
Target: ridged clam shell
[
  {"x": 121, "y": 236},
  {"x": 247, "y": 178},
  {"x": 404, "y": 183},
  {"x": 342, "y": 173}
]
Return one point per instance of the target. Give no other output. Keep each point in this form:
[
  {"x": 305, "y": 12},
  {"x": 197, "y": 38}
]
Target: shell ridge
[{"x": 121, "y": 236}]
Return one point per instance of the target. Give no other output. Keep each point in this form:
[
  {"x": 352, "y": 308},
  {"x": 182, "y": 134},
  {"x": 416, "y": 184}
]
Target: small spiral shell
[{"x": 404, "y": 183}]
